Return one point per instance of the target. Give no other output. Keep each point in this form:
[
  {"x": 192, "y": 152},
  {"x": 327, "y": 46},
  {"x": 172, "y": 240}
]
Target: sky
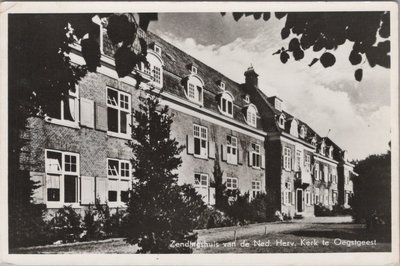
[{"x": 356, "y": 114}]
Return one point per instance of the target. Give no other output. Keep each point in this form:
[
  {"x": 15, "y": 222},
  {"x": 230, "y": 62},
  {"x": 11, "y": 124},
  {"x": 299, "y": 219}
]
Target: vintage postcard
[{"x": 163, "y": 132}]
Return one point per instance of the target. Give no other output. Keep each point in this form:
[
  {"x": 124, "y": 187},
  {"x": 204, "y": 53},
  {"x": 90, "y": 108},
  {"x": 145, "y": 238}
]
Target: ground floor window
[
  {"x": 255, "y": 188},
  {"x": 202, "y": 186},
  {"x": 287, "y": 194},
  {"x": 334, "y": 197},
  {"x": 316, "y": 195},
  {"x": 119, "y": 179},
  {"x": 308, "y": 198}
]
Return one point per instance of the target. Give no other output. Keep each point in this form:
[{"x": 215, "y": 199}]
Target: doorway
[{"x": 299, "y": 200}]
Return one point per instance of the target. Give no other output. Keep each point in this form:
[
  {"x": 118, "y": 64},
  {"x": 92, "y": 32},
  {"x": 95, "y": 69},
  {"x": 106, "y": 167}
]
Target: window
[
  {"x": 255, "y": 188},
  {"x": 287, "y": 159},
  {"x": 247, "y": 98},
  {"x": 255, "y": 155},
  {"x": 287, "y": 193},
  {"x": 281, "y": 121},
  {"x": 326, "y": 196},
  {"x": 200, "y": 141},
  {"x": 316, "y": 191},
  {"x": 316, "y": 172},
  {"x": 202, "y": 186},
  {"x": 222, "y": 85},
  {"x": 231, "y": 149},
  {"x": 251, "y": 116},
  {"x": 118, "y": 112},
  {"x": 157, "y": 74},
  {"x": 308, "y": 198},
  {"x": 331, "y": 152},
  {"x": 153, "y": 71},
  {"x": 298, "y": 160},
  {"x": 226, "y": 104},
  {"x": 62, "y": 171},
  {"x": 334, "y": 197},
  {"x": 325, "y": 173},
  {"x": 119, "y": 179},
  {"x": 194, "y": 89},
  {"x": 346, "y": 177},
  {"x": 157, "y": 49},
  {"x": 193, "y": 69},
  {"x": 346, "y": 198},
  {"x": 303, "y": 132},
  {"x": 322, "y": 150},
  {"x": 65, "y": 111},
  {"x": 308, "y": 162},
  {"x": 231, "y": 183}
]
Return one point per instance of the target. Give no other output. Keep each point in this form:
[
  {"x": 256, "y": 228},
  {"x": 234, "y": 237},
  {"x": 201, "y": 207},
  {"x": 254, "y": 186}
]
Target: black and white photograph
[{"x": 195, "y": 128}]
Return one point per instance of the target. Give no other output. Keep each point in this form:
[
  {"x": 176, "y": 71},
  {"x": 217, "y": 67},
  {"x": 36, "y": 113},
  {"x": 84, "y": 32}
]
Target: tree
[
  {"x": 159, "y": 210},
  {"x": 326, "y": 31},
  {"x": 372, "y": 188}
]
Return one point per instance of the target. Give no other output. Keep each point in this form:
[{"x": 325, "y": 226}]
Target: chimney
[{"x": 251, "y": 77}]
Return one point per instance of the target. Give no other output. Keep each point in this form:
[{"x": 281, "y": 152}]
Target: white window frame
[
  {"x": 61, "y": 173},
  {"x": 255, "y": 155},
  {"x": 308, "y": 162},
  {"x": 62, "y": 121},
  {"x": 195, "y": 90},
  {"x": 202, "y": 186},
  {"x": 251, "y": 115},
  {"x": 303, "y": 132},
  {"x": 287, "y": 193},
  {"x": 255, "y": 188},
  {"x": 222, "y": 85},
  {"x": 232, "y": 183},
  {"x": 111, "y": 104},
  {"x": 193, "y": 69},
  {"x": 325, "y": 173},
  {"x": 247, "y": 98},
  {"x": 334, "y": 199},
  {"x": 223, "y": 106},
  {"x": 120, "y": 179},
  {"x": 298, "y": 160},
  {"x": 231, "y": 149},
  {"x": 287, "y": 159},
  {"x": 331, "y": 152},
  {"x": 317, "y": 171},
  {"x": 308, "y": 198},
  {"x": 200, "y": 133},
  {"x": 281, "y": 121}
]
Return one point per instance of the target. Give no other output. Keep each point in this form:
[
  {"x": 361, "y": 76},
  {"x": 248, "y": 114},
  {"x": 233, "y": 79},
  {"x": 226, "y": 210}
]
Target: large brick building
[{"x": 79, "y": 152}]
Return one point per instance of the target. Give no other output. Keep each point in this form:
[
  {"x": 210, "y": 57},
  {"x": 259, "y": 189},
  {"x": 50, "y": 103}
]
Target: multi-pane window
[
  {"x": 326, "y": 196},
  {"x": 194, "y": 89},
  {"x": 316, "y": 171},
  {"x": 157, "y": 74},
  {"x": 298, "y": 160},
  {"x": 251, "y": 116},
  {"x": 231, "y": 149},
  {"x": 119, "y": 179},
  {"x": 231, "y": 183},
  {"x": 287, "y": 158},
  {"x": 255, "y": 188},
  {"x": 118, "y": 111},
  {"x": 202, "y": 186},
  {"x": 308, "y": 162},
  {"x": 62, "y": 171},
  {"x": 334, "y": 197},
  {"x": 325, "y": 173},
  {"x": 200, "y": 141},
  {"x": 255, "y": 155},
  {"x": 67, "y": 109},
  {"x": 226, "y": 104},
  {"x": 287, "y": 194},
  {"x": 308, "y": 198}
]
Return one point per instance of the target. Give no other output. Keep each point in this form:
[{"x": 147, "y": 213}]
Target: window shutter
[
  {"x": 101, "y": 189},
  {"x": 262, "y": 161},
  {"x": 240, "y": 156},
  {"x": 211, "y": 149},
  {"x": 101, "y": 117},
  {"x": 87, "y": 112},
  {"x": 190, "y": 144},
  {"x": 211, "y": 195},
  {"x": 87, "y": 190},
  {"x": 249, "y": 159},
  {"x": 223, "y": 153},
  {"x": 38, "y": 194},
  {"x": 293, "y": 197}
]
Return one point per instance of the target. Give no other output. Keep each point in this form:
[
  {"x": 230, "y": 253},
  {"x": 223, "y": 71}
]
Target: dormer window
[
  {"x": 303, "y": 132},
  {"x": 331, "y": 152},
  {"x": 322, "y": 150},
  {"x": 294, "y": 128},
  {"x": 251, "y": 115},
  {"x": 247, "y": 98},
  {"x": 314, "y": 141},
  {"x": 226, "y": 104},
  {"x": 222, "y": 85},
  {"x": 281, "y": 121},
  {"x": 157, "y": 49},
  {"x": 194, "y": 89},
  {"x": 154, "y": 69},
  {"x": 193, "y": 69}
]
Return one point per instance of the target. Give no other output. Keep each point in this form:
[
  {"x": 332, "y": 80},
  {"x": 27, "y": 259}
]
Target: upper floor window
[
  {"x": 308, "y": 162},
  {"x": 62, "y": 171},
  {"x": 251, "y": 116},
  {"x": 193, "y": 69},
  {"x": 331, "y": 152},
  {"x": 231, "y": 149},
  {"x": 316, "y": 171},
  {"x": 231, "y": 183},
  {"x": 294, "y": 128},
  {"x": 65, "y": 111},
  {"x": 325, "y": 173},
  {"x": 287, "y": 158},
  {"x": 155, "y": 67},
  {"x": 282, "y": 120},
  {"x": 200, "y": 141},
  {"x": 157, "y": 49},
  {"x": 247, "y": 98},
  {"x": 255, "y": 155},
  {"x": 314, "y": 141},
  {"x": 118, "y": 112},
  {"x": 303, "y": 132},
  {"x": 194, "y": 89},
  {"x": 119, "y": 180},
  {"x": 298, "y": 160},
  {"x": 322, "y": 149},
  {"x": 226, "y": 104}
]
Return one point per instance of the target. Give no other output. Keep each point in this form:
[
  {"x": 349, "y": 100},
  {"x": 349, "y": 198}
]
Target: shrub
[
  {"x": 67, "y": 224},
  {"x": 212, "y": 217}
]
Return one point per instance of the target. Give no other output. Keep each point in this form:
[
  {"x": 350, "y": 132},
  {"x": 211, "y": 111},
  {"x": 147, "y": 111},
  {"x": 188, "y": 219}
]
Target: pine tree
[{"x": 159, "y": 210}]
